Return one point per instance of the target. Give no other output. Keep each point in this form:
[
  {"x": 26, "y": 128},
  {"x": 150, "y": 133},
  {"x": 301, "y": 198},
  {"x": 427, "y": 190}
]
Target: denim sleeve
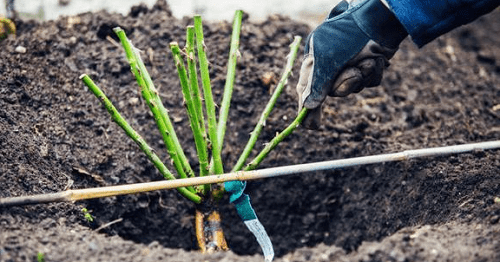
[{"x": 425, "y": 20}]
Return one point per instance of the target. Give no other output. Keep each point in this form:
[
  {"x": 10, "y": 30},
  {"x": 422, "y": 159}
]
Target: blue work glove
[{"x": 346, "y": 53}]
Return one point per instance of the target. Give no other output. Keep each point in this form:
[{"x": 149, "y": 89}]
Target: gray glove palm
[{"x": 346, "y": 53}]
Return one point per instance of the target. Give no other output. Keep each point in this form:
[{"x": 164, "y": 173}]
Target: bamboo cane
[{"x": 90, "y": 193}]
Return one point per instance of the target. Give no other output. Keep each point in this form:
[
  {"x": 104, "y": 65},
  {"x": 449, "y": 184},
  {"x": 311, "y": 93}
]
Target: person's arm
[
  {"x": 352, "y": 47},
  {"x": 426, "y": 20}
]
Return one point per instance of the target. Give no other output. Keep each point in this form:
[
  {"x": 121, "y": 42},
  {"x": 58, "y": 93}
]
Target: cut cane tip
[{"x": 82, "y": 76}]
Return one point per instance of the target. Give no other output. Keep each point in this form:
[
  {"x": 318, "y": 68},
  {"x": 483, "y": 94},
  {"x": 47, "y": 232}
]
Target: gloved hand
[{"x": 346, "y": 53}]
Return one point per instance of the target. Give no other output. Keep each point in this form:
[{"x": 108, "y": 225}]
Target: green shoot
[
  {"x": 7, "y": 27},
  {"x": 136, "y": 137},
  {"x": 192, "y": 110},
  {"x": 294, "y": 48},
  {"x": 87, "y": 215},
  {"x": 276, "y": 140},
  {"x": 194, "y": 106},
  {"x": 209, "y": 100},
  {"x": 160, "y": 114},
  {"x": 40, "y": 257},
  {"x": 231, "y": 72},
  {"x": 202, "y": 147},
  {"x": 193, "y": 78}
]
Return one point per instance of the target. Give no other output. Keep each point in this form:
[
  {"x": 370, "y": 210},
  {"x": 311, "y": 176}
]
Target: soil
[{"x": 55, "y": 135}]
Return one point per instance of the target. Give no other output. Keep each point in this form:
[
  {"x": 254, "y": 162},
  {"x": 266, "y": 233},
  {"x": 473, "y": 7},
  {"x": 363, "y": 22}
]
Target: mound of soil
[{"x": 55, "y": 135}]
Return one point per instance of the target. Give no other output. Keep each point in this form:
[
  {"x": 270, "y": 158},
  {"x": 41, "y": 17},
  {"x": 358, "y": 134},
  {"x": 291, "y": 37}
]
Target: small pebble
[
  {"x": 93, "y": 246},
  {"x": 73, "y": 40},
  {"x": 133, "y": 101},
  {"x": 21, "y": 49},
  {"x": 496, "y": 200}
]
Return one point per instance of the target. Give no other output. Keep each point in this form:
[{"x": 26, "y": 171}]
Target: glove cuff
[{"x": 379, "y": 23}]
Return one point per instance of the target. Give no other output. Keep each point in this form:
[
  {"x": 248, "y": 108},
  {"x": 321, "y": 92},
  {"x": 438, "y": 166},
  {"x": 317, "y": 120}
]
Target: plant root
[{"x": 209, "y": 234}]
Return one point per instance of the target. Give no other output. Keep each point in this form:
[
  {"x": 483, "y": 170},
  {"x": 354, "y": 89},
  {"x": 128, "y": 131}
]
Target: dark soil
[{"x": 55, "y": 135}]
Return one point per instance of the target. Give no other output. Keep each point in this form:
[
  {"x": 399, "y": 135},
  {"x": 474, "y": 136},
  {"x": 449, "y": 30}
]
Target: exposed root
[{"x": 209, "y": 234}]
